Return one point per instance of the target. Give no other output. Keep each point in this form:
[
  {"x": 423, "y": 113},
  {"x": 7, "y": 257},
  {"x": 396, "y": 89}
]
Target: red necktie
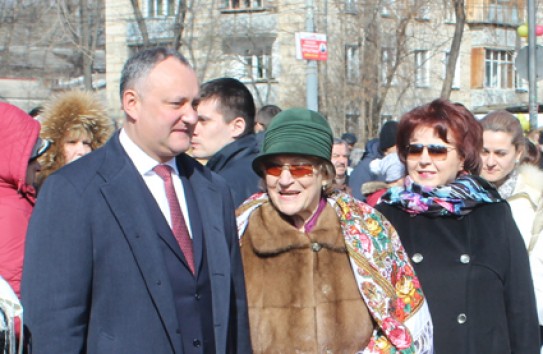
[{"x": 179, "y": 227}]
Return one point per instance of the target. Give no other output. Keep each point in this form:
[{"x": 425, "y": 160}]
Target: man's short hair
[
  {"x": 338, "y": 141},
  {"x": 140, "y": 64},
  {"x": 233, "y": 98},
  {"x": 266, "y": 113}
]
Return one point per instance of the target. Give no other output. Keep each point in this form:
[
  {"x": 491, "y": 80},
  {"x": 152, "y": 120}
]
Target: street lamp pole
[
  {"x": 312, "y": 81},
  {"x": 532, "y": 79}
]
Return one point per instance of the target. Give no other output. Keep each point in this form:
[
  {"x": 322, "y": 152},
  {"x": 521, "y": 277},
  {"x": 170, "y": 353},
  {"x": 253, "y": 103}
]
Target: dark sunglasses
[
  {"x": 435, "y": 151},
  {"x": 296, "y": 171}
]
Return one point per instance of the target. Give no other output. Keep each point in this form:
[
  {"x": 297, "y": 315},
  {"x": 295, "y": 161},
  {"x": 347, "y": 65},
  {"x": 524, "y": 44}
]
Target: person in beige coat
[{"x": 520, "y": 184}]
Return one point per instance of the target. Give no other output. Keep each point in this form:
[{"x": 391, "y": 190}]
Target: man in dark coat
[
  {"x": 362, "y": 173},
  {"x": 225, "y": 135},
  {"x": 375, "y": 149},
  {"x": 103, "y": 270}
]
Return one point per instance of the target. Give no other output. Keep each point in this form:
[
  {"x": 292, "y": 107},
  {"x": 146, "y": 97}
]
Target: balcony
[
  {"x": 159, "y": 29},
  {"x": 496, "y": 12}
]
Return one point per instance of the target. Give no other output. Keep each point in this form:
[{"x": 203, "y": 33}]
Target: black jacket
[
  {"x": 361, "y": 173},
  {"x": 475, "y": 274},
  {"x": 234, "y": 163}
]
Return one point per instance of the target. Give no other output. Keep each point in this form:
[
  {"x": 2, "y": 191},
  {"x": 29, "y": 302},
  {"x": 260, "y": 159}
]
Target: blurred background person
[
  {"x": 76, "y": 123},
  {"x": 461, "y": 236},
  {"x": 36, "y": 113},
  {"x": 324, "y": 272},
  {"x": 354, "y": 152},
  {"x": 521, "y": 184},
  {"x": 263, "y": 119},
  {"x": 350, "y": 139},
  {"x": 340, "y": 160},
  {"x": 375, "y": 149},
  {"x": 532, "y": 154},
  {"x": 19, "y": 152},
  {"x": 389, "y": 168}
]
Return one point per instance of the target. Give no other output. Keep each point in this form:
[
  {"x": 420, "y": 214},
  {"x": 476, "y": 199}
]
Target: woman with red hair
[{"x": 461, "y": 237}]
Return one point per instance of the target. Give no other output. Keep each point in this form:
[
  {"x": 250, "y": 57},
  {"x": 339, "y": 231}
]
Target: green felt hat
[{"x": 296, "y": 131}]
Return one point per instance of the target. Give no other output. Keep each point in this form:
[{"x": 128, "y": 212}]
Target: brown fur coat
[{"x": 301, "y": 292}]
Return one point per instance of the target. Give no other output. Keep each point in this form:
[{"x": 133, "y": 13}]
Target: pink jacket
[{"x": 18, "y": 134}]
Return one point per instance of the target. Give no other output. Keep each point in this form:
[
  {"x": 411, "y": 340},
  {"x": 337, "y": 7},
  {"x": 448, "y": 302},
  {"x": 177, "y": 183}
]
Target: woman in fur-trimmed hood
[
  {"x": 324, "y": 273},
  {"x": 76, "y": 123}
]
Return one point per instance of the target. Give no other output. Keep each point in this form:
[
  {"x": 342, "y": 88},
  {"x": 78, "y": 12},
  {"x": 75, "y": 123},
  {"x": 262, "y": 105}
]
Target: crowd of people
[{"x": 204, "y": 225}]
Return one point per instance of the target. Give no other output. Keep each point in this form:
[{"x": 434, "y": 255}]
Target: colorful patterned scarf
[
  {"x": 456, "y": 198},
  {"x": 385, "y": 277}
]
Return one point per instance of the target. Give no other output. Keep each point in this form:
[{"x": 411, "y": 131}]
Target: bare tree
[
  {"x": 9, "y": 14},
  {"x": 142, "y": 25},
  {"x": 83, "y": 20},
  {"x": 178, "y": 26},
  {"x": 454, "y": 52}
]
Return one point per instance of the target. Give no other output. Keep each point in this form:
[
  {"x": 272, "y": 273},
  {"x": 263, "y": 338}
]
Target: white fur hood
[{"x": 530, "y": 182}]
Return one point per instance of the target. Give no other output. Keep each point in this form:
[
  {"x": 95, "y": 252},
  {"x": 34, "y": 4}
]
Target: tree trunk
[
  {"x": 179, "y": 24},
  {"x": 141, "y": 23},
  {"x": 4, "y": 59},
  {"x": 460, "y": 15},
  {"x": 84, "y": 44}
]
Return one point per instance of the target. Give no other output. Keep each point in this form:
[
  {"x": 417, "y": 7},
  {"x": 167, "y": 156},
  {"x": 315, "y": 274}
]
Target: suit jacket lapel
[
  {"x": 210, "y": 205},
  {"x": 131, "y": 202}
]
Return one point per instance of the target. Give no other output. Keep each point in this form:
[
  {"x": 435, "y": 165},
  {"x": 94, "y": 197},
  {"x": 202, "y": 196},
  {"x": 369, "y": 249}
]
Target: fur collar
[{"x": 281, "y": 236}]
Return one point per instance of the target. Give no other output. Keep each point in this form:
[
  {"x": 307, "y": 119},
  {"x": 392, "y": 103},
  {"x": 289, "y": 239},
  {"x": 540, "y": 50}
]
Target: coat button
[
  {"x": 465, "y": 258},
  {"x": 196, "y": 343},
  {"x": 197, "y": 296},
  {"x": 316, "y": 247},
  {"x": 417, "y": 258},
  {"x": 462, "y": 318}
]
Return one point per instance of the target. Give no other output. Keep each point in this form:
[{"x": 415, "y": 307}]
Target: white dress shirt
[{"x": 145, "y": 164}]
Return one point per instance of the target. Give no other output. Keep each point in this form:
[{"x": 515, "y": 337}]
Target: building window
[
  {"x": 389, "y": 7},
  {"x": 351, "y": 6},
  {"x": 242, "y": 4},
  {"x": 388, "y": 57},
  {"x": 456, "y": 77},
  {"x": 258, "y": 65},
  {"x": 352, "y": 63},
  {"x": 420, "y": 9},
  {"x": 160, "y": 8},
  {"x": 502, "y": 11},
  {"x": 422, "y": 68},
  {"x": 406, "y": 9},
  {"x": 499, "y": 72}
]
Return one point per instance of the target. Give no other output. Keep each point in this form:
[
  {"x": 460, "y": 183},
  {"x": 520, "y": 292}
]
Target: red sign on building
[{"x": 311, "y": 46}]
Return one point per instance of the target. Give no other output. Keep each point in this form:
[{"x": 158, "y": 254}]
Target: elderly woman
[
  {"x": 504, "y": 146},
  {"x": 466, "y": 248},
  {"x": 325, "y": 273},
  {"x": 76, "y": 123}
]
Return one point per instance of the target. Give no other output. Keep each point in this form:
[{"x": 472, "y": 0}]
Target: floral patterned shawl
[{"x": 386, "y": 279}]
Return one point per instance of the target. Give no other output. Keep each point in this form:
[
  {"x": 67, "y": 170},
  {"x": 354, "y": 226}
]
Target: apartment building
[{"x": 384, "y": 57}]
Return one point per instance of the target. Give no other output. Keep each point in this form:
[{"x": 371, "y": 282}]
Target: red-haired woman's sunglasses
[{"x": 435, "y": 151}]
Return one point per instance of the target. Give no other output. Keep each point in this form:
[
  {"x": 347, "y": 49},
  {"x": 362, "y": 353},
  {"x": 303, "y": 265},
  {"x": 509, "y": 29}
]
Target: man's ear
[
  {"x": 130, "y": 103},
  {"x": 237, "y": 127}
]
